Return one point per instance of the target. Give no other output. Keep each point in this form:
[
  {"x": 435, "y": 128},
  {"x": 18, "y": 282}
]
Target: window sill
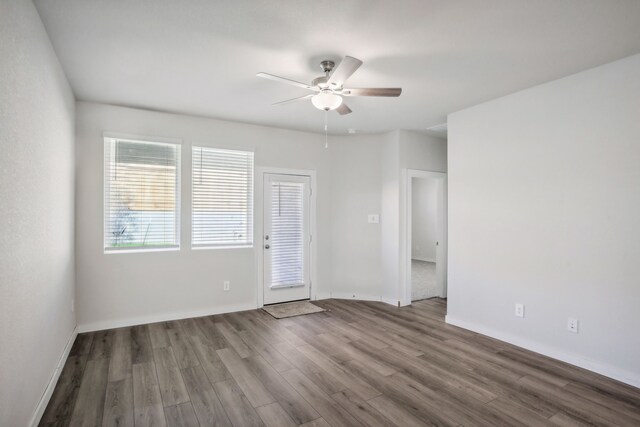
[
  {"x": 140, "y": 250},
  {"x": 198, "y": 248}
]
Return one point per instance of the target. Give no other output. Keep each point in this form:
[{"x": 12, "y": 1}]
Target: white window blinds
[
  {"x": 142, "y": 195},
  {"x": 222, "y": 198},
  {"x": 287, "y": 233}
]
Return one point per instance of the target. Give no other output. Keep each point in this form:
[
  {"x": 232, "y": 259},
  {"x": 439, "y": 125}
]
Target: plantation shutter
[
  {"x": 222, "y": 198},
  {"x": 142, "y": 195},
  {"x": 287, "y": 233}
]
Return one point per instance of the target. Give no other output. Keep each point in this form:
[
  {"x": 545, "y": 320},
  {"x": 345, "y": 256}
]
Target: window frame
[
  {"x": 108, "y": 139},
  {"x": 250, "y": 200}
]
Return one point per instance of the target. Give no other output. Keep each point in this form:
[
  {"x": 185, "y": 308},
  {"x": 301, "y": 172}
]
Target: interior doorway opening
[{"x": 427, "y": 235}]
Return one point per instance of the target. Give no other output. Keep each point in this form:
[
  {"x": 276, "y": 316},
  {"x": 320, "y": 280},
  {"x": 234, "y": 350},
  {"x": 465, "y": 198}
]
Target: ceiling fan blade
[
  {"x": 343, "y": 109},
  {"x": 372, "y": 91},
  {"x": 343, "y": 71},
  {"x": 284, "y": 80},
  {"x": 300, "y": 98}
]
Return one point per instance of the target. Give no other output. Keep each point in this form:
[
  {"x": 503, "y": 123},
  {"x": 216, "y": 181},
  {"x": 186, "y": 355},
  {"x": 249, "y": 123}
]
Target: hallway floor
[{"x": 423, "y": 280}]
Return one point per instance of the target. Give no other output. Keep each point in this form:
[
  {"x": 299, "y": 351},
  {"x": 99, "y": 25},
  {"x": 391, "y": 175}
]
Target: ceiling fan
[{"x": 329, "y": 89}]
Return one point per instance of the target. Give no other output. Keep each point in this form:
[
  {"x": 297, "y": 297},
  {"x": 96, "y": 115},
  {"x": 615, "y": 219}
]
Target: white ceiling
[{"x": 200, "y": 57}]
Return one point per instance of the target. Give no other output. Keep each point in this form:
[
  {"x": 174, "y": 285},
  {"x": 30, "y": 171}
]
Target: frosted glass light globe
[{"x": 326, "y": 100}]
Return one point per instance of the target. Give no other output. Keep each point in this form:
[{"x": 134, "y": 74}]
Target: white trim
[
  {"x": 405, "y": 230},
  {"x": 141, "y": 249},
  {"x": 323, "y": 295},
  {"x": 138, "y": 137},
  {"x": 391, "y": 301},
  {"x": 227, "y": 247},
  {"x": 546, "y": 350},
  {"x": 258, "y": 227},
  {"x": 48, "y": 391},
  {"x": 154, "y": 318},
  {"x": 419, "y": 258},
  {"x": 355, "y": 296}
]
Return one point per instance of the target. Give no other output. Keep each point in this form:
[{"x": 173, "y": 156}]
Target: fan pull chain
[{"x": 326, "y": 127}]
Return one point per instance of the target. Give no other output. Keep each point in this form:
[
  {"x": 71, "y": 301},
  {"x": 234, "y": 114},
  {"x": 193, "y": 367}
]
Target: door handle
[{"x": 266, "y": 246}]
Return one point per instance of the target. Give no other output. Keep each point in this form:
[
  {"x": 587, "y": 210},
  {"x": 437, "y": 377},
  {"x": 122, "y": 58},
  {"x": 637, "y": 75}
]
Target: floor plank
[
  {"x": 361, "y": 410},
  {"x": 250, "y": 385},
  {"x": 158, "y": 335},
  {"x": 210, "y": 361},
  {"x": 91, "y": 396},
  {"x": 204, "y": 399},
  {"x": 172, "y": 386},
  {"x": 101, "y": 344},
  {"x": 236, "y": 404},
  {"x": 118, "y": 404},
  {"x": 63, "y": 399},
  {"x": 141, "y": 349},
  {"x": 120, "y": 362},
  {"x": 293, "y": 403},
  {"x": 274, "y": 416},
  {"x": 181, "y": 415},
  {"x": 182, "y": 348},
  {"x": 82, "y": 344},
  {"x": 334, "y": 414},
  {"x": 147, "y": 400}
]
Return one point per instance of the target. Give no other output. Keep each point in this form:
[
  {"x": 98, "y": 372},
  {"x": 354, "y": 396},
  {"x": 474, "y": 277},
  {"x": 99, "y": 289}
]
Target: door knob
[{"x": 266, "y": 246}]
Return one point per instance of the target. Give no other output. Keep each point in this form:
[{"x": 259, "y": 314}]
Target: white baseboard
[
  {"x": 165, "y": 317},
  {"x": 355, "y": 296},
  {"x": 391, "y": 301},
  {"x": 323, "y": 295},
  {"x": 573, "y": 359},
  {"x": 48, "y": 391}
]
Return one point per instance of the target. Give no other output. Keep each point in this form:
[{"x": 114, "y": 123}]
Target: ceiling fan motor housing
[
  {"x": 327, "y": 66},
  {"x": 320, "y": 82}
]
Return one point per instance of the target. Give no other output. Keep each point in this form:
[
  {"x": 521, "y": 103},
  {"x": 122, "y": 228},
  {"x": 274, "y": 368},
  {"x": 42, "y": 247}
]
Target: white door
[{"x": 286, "y": 241}]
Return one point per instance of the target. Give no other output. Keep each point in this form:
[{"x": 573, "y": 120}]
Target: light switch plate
[
  {"x": 374, "y": 218},
  {"x": 519, "y": 310}
]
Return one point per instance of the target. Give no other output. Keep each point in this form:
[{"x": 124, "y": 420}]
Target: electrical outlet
[
  {"x": 373, "y": 218},
  {"x": 227, "y": 284},
  {"x": 519, "y": 310},
  {"x": 572, "y": 325}
]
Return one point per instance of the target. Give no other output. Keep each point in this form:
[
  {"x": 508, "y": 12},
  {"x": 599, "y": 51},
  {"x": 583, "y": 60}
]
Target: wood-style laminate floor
[{"x": 359, "y": 363}]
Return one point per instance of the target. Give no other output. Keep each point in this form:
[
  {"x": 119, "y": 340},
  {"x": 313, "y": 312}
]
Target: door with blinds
[{"x": 287, "y": 239}]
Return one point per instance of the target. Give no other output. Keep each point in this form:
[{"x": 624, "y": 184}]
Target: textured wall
[{"x": 36, "y": 211}]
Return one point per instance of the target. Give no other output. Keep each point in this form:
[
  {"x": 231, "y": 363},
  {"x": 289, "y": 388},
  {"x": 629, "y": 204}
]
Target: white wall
[
  {"x": 36, "y": 194},
  {"x": 141, "y": 287},
  {"x": 422, "y": 151},
  {"x": 390, "y": 217},
  {"x": 355, "y": 193},
  {"x": 355, "y": 177},
  {"x": 424, "y": 218},
  {"x": 403, "y": 150},
  {"x": 544, "y": 209}
]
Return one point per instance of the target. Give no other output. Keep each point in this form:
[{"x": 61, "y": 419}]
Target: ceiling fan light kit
[
  {"x": 326, "y": 100},
  {"x": 329, "y": 89}
]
